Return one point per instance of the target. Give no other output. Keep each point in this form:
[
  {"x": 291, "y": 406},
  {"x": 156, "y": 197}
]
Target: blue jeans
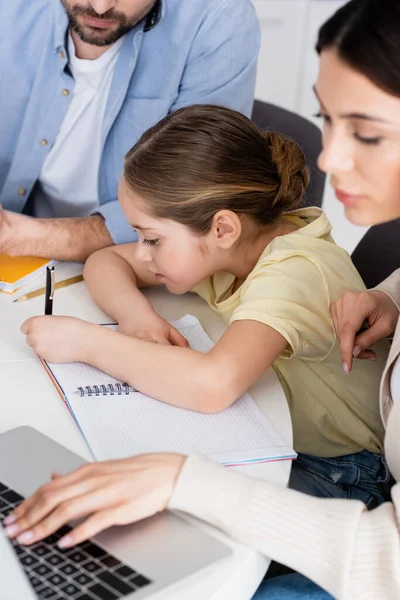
[
  {"x": 290, "y": 587},
  {"x": 362, "y": 476}
]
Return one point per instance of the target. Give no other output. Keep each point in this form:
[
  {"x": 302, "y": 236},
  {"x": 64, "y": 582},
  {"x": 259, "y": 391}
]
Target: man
[{"x": 80, "y": 81}]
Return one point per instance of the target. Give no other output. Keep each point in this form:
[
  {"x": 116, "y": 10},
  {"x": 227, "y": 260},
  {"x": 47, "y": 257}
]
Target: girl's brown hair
[{"x": 203, "y": 159}]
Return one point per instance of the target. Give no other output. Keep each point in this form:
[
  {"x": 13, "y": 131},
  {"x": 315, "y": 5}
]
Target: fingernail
[
  {"x": 65, "y": 542},
  {"x": 27, "y": 536},
  {"x": 356, "y": 351},
  {"x": 346, "y": 367},
  {"x": 11, "y": 530},
  {"x": 372, "y": 358},
  {"x": 9, "y": 519}
]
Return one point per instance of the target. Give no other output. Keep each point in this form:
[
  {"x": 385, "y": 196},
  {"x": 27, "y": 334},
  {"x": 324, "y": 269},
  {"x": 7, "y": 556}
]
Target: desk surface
[{"x": 30, "y": 399}]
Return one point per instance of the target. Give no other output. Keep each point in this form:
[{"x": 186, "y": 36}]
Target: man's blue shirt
[{"x": 195, "y": 51}]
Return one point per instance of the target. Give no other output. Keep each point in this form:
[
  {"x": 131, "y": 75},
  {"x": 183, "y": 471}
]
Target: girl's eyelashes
[{"x": 150, "y": 242}]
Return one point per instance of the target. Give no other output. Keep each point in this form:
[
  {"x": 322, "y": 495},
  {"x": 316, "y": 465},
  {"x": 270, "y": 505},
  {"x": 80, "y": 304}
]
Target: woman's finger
[
  {"x": 44, "y": 501},
  {"x": 68, "y": 510},
  {"x": 90, "y": 527}
]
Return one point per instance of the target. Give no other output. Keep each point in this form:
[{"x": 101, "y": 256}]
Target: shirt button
[
  {"x": 62, "y": 54},
  {"x": 44, "y": 142},
  {"x": 65, "y": 92},
  {"x": 22, "y": 191}
]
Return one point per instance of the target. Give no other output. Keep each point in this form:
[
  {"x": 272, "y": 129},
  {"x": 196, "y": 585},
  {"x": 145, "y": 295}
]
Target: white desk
[{"x": 29, "y": 398}]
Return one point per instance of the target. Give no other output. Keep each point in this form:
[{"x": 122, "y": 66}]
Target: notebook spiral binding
[{"x": 111, "y": 389}]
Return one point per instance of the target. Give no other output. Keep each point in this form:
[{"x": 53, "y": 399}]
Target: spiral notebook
[{"x": 118, "y": 421}]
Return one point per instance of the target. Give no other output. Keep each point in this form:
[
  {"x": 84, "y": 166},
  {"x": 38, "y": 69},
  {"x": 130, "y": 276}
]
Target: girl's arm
[
  {"x": 178, "y": 376},
  {"x": 113, "y": 276}
]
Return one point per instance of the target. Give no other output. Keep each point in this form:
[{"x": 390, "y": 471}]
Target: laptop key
[
  {"x": 91, "y": 567},
  {"x": 55, "y": 559},
  {"x": 101, "y": 592},
  {"x": 40, "y": 550},
  {"x": 19, "y": 550},
  {"x": 47, "y": 593},
  {"x": 83, "y": 579},
  {"x": 93, "y": 550},
  {"x": 140, "y": 580},
  {"x": 69, "y": 569},
  {"x": 84, "y": 597},
  {"x": 3, "y": 488},
  {"x": 110, "y": 561},
  {"x": 42, "y": 570},
  {"x": 35, "y": 582},
  {"x": 70, "y": 589},
  {"x": 7, "y": 511},
  {"x": 3, "y": 504},
  {"x": 56, "y": 579},
  {"x": 77, "y": 556},
  {"x": 12, "y": 497},
  {"x": 125, "y": 572},
  {"x": 116, "y": 583},
  {"x": 28, "y": 560}
]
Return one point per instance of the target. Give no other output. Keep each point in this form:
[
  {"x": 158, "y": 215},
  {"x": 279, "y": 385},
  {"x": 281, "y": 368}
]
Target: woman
[{"x": 348, "y": 551}]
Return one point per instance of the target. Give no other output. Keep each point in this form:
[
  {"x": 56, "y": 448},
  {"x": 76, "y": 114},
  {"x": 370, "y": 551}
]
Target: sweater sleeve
[
  {"x": 391, "y": 287},
  {"x": 351, "y": 553}
]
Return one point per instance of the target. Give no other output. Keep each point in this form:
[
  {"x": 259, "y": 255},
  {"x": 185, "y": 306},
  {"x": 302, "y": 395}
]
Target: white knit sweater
[{"x": 350, "y": 552}]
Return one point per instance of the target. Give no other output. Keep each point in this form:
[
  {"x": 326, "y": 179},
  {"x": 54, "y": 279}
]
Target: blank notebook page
[{"x": 125, "y": 425}]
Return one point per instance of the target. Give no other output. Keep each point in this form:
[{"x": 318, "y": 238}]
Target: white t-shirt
[{"x": 68, "y": 183}]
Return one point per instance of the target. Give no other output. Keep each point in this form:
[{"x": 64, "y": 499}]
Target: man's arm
[
  {"x": 61, "y": 239},
  {"x": 221, "y": 67}
]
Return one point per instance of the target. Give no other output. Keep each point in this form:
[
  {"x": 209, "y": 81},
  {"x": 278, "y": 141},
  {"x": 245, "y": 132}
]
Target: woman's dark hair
[
  {"x": 366, "y": 35},
  {"x": 205, "y": 158}
]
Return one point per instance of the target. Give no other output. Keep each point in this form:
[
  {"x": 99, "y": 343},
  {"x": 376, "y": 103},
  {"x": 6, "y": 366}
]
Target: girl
[{"x": 212, "y": 200}]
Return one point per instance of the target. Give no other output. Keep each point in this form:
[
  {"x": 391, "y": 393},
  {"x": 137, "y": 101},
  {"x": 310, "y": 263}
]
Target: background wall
[{"x": 287, "y": 70}]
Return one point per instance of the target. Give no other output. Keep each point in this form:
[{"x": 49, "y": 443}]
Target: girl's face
[
  {"x": 179, "y": 258},
  {"x": 361, "y": 141}
]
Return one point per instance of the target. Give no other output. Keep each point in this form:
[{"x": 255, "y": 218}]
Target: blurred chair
[
  {"x": 378, "y": 253},
  {"x": 306, "y": 134}
]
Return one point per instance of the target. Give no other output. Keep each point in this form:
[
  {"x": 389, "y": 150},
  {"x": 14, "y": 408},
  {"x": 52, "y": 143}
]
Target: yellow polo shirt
[{"x": 290, "y": 289}]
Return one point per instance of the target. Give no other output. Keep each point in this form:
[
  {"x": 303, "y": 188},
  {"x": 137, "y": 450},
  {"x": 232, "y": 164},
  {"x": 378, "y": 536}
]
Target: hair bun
[{"x": 292, "y": 170}]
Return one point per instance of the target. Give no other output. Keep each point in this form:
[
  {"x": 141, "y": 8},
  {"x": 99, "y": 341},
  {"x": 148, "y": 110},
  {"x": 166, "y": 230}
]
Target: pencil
[{"x": 41, "y": 291}]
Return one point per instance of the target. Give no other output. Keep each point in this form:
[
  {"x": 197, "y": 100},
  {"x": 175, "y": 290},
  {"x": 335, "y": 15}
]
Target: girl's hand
[
  {"x": 156, "y": 330},
  {"x": 115, "y": 492},
  {"x": 59, "y": 339}
]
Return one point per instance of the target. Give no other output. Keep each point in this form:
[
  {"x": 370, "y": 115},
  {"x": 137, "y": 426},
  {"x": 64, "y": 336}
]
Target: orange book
[{"x": 16, "y": 271}]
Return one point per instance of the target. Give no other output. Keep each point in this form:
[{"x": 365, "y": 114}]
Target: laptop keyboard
[{"x": 84, "y": 572}]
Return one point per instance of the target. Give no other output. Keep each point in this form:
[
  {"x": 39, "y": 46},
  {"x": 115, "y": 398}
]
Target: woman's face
[{"x": 361, "y": 141}]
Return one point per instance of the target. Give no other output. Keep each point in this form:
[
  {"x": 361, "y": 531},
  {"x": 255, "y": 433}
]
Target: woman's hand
[
  {"x": 348, "y": 315},
  {"x": 115, "y": 492},
  {"x": 60, "y": 339},
  {"x": 156, "y": 330}
]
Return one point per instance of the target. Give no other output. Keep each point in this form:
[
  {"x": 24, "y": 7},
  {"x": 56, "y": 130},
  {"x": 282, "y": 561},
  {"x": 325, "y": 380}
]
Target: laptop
[{"x": 135, "y": 561}]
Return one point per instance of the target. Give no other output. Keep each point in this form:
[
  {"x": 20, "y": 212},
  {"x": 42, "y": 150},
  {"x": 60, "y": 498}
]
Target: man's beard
[{"x": 98, "y": 36}]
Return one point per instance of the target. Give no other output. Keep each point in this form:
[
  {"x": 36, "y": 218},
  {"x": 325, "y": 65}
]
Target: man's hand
[
  {"x": 59, "y": 239},
  {"x": 60, "y": 339},
  {"x": 157, "y": 330},
  {"x": 116, "y": 492},
  {"x": 348, "y": 315}
]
